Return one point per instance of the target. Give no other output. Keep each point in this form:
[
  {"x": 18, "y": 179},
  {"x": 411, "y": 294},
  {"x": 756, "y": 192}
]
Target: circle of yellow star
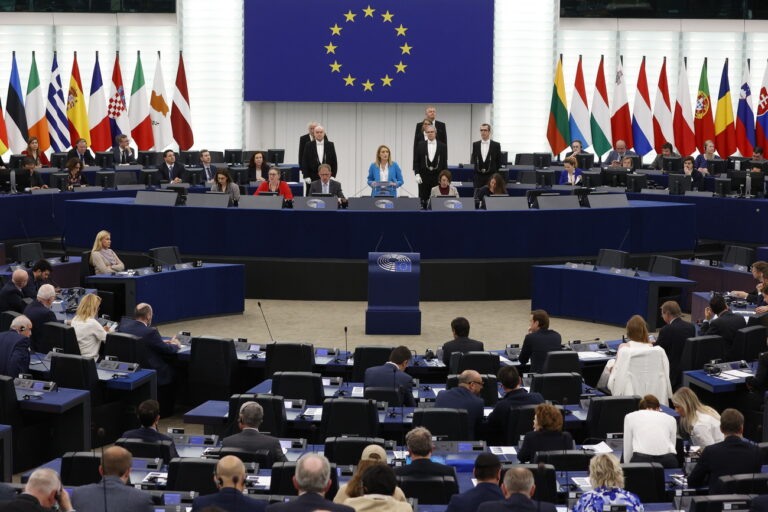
[
  {"x": 349, "y": 80},
  {"x": 335, "y": 67},
  {"x": 368, "y": 85},
  {"x": 406, "y": 49},
  {"x": 335, "y": 30},
  {"x": 386, "y": 81},
  {"x": 400, "y": 30},
  {"x": 369, "y": 12},
  {"x": 401, "y": 67},
  {"x": 331, "y": 48},
  {"x": 350, "y": 16},
  {"x": 387, "y": 16}
]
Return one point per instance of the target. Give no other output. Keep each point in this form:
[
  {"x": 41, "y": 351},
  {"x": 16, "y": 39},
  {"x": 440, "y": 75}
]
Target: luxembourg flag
[
  {"x": 579, "y": 118},
  {"x": 621, "y": 121},
  {"x": 745, "y": 119},
  {"x": 662, "y": 112},
  {"x": 642, "y": 119}
]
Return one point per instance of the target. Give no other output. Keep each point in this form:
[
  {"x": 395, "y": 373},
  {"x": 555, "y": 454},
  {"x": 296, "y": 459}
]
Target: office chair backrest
[
  {"x": 192, "y": 474},
  {"x": 566, "y": 460},
  {"x": 544, "y": 478},
  {"x": 612, "y": 258},
  {"x": 72, "y": 371},
  {"x": 489, "y": 393},
  {"x": 212, "y": 368},
  {"x": 168, "y": 255},
  {"x": 9, "y": 406},
  {"x": 273, "y": 406},
  {"x": 147, "y": 449},
  {"x": 86, "y": 268},
  {"x": 389, "y": 395},
  {"x": 564, "y": 388},
  {"x": 700, "y": 350},
  {"x": 666, "y": 265},
  {"x": 107, "y": 306},
  {"x": 264, "y": 458},
  {"x": 746, "y": 483},
  {"x": 749, "y": 343},
  {"x": 646, "y": 480},
  {"x": 126, "y": 347},
  {"x": 282, "y": 480},
  {"x": 347, "y": 451},
  {"x": 300, "y": 385},
  {"x": 349, "y": 416},
  {"x": 560, "y": 361},
  {"x": 56, "y": 334},
  {"x": 289, "y": 357},
  {"x": 520, "y": 422},
  {"x": 738, "y": 255},
  {"x": 606, "y": 414},
  {"x": 24, "y": 253},
  {"x": 80, "y": 468},
  {"x": 481, "y": 362},
  {"x": 717, "y": 503},
  {"x": 429, "y": 490},
  {"x": 6, "y": 319},
  {"x": 366, "y": 357},
  {"x": 448, "y": 424}
]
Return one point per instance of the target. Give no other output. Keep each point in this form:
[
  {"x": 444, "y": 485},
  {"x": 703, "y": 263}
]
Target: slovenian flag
[
  {"x": 745, "y": 118},
  {"x": 579, "y": 118},
  {"x": 642, "y": 119}
]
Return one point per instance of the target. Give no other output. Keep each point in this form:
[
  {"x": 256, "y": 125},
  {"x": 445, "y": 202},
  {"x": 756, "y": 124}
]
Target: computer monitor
[
  {"x": 584, "y": 161},
  {"x": 58, "y": 180},
  {"x": 233, "y": 156},
  {"x": 14, "y": 162},
  {"x": 195, "y": 176},
  {"x": 672, "y": 164},
  {"x": 106, "y": 179},
  {"x": 5, "y": 180},
  {"x": 716, "y": 166},
  {"x": 533, "y": 196},
  {"x": 722, "y": 187},
  {"x": 58, "y": 160},
  {"x": 276, "y": 156},
  {"x": 739, "y": 183},
  {"x": 239, "y": 175},
  {"x": 149, "y": 158},
  {"x": 542, "y": 160},
  {"x": 742, "y": 162},
  {"x": 615, "y": 176},
  {"x": 757, "y": 164},
  {"x": 104, "y": 159},
  {"x": 150, "y": 177},
  {"x": 679, "y": 183},
  {"x": 591, "y": 179},
  {"x": 545, "y": 178},
  {"x": 636, "y": 182}
]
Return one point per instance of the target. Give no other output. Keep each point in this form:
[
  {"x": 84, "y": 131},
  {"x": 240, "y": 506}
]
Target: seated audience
[
  {"x": 514, "y": 396},
  {"x": 419, "y": 443},
  {"x": 518, "y": 488},
  {"x": 312, "y": 480},
  {"x": 39, "y": 313},
  {"x": 122, "y": 152},
  {"x": 461, "y": 341},
  {"x": 607, "y": 480},
  {"x": 103, "y": 258},
  {"x": 666, "y": 150},
  {"x": 759, "y": 269},
  {"x": 33, "y": 151},
  {"x": 258, "y": 167},
  {"x": 223, "y": 183},
  {"x": 487, "y": 472},
  {"x": 572, "y": 174},
  {"x": 274, "y": 184},
  {"x": 444, "y": 187},
  {"x": 672, "y": 339},
  {"x": 230, "y": 480},
  {"x": 90, "y": 333},
  {"x": 37, "y": 276},
  {"x": 465, "y": 396},
  {"x": 703, "y": 158},
  {"x": 372, "y": 455},
  {"x": 719, "y": 320},
  {"x": 496, "y": 187},
  {"x": 379, "y": 485},
  {"x": 81, "y": 152},
  {"x": 650, "y": 434},
  {"x": 539, "y": 341},
  {"x": 27, "y": 177},
  {"x": 149, "y": 415},
  {"x": 113, "y": 493},
  {"x": 547, "y": 434},
  {"x": 325, "y": 185},
  {"x": 75, "y": 176},
  {"x": 392, "y": 374},
  {"x": 12, "y": 295},
  {"x": 14, "y": 347},
  {"x": 250, "y": 439},
  {"x": 698, "y": 421},
  {"x": 43, "y": 491},
  {"x": 171, "y": 170},
  {"x": 209, "y": 170}
]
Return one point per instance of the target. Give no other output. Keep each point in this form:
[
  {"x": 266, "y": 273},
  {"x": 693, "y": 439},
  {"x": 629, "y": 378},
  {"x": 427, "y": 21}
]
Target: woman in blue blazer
[
  {"x": 383, "y": 169},
  {"x": 571, "y": 175}
]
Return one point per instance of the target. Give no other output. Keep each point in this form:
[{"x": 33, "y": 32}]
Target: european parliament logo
[
  {"x": 454, "y": 204},
  {"x": 316, "y": 203},
  {"x": 392, "y": 262}
]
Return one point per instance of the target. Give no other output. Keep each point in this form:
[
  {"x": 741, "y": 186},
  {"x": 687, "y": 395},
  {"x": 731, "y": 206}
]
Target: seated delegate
[
  {"x": 75, "y": 177},
  {"x": 258, "y": 167},
  {"x": 572, "y": 174},
  {"x": 27, "y": 177},
  {"x": 547, "y": 434},
  {"x": 223, "y": 183},
  {"x": 274, "y": 184},
  {"x": 90, "y": 333},
  {"x": 33, "y": 151},
  {"x": 444, "y": 187},
  {"x": 496, "y": 187},
  {"x": 650, "y": 434},
  {"x": 103, "y": 258}
]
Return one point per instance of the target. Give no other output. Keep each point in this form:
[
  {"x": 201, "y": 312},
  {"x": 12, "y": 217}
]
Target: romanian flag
[
  {"x": 76, "y": 113},
  {"x": 725, "y": 133},
  {"x": 703, "y": 125},
  {"x": 557, "y": 128}
]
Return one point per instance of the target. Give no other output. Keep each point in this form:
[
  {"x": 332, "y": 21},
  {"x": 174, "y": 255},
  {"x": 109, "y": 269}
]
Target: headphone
[
  {"x": 712, "y": 369},
  {"x": 429, "y": 355},
  {"x": 220, "y": 481}
]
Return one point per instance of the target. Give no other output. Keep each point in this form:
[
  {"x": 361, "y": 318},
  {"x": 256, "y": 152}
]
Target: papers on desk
[
  {"x": 313, "y": 411},
  {"x": 739, "y": 374},
  {"x": 259, "y": 481},
  {"x": 358, "y": 391},
  {"x": 503, "y": 450},
  {"x": 487, "y": 411},
  {"x": 438, "y": 389},
  {"x": 587, "y": 354},
  {"x": 399, "y": 454},
  {"x": 505, "y": 360},
  {"x": 583, "y": 482},
  {"x": 726, "y": 376},
  {"x": 156, "y": 478},
  {"x": 580, "y": 414},
  {"x": 599, "y": 448}
]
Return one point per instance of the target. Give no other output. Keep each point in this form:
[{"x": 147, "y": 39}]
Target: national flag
[
  {"x": 745, "y": 118},
  {"x": 76, "y": 113},
  {"x": 642, "y": 119},
  {"x": 16, "y": 122},
  {"x": 662, "y": 112},
  {"x": 181, "y": 114},
  {"x": 578, "y": 121},
  {"x": 557, "y": 128},
  {"x": 621, "y": 121},
  {"x": 36, "y": 121},
  {"x": 117, "y": 108},
  {"x": 3, "y": 132},
  {"x": 682, "y": 123},
  {"x": 600, "y": 119},
  {"x": 160, "y": 111},
  {"x": 761, "y": 127},
  {"x": 101, "y": 136},
  {"x": 725, "y": 133},
  {"x": 703, "y": 125},
  {"x": 55, "y": 112},
  {"x": 138, "y": 113}
]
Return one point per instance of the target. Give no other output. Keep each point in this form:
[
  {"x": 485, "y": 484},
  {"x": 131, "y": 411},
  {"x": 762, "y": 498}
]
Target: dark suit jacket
[
  {"x": 30, "y": 291},
  {"x": 229, "y": 500},
  {"x": 672, "y": 339},
  {"x": 759, "y": 383},
  {"x": 154, "y": 347},
  {"x": 150, "y": 434},
  {"x": 497, "y": 420},
  {"x": 252, "y": 440},
  {"x": 212, "y": 169},
  {"x": 759, "y": 504},
  {"x": 441, "y": 133},
  {"x": 492, "y": 161},
  {"x": 303, "y": 142},
  {"x": 14, "y": 354},
  {"x": 731, "y": 456},
  {"x": 310, "y": 162},
  {"x": 726, "y": 324},
  {"x": 389, "y": 376},
  {"x": 517, "y": 503},
  {"x": 462, "y": 345},
  {"x": 425, "y": 467},
  {"x": 39, "y": 315},
  {"x": 6, "y": 491},
  {"x": 537, "y": 345},
  {"x": 11, "y": 298},
  {"x": 117, "y": 156},
  {"x": 119, "y": 497},
  {"x": 542, "y": 441},
  {"x": 334, "y": 188},
  {"x": 473, "y": 498},
  {"x": 178, "y": 171},
  {"x": 23, "y": 503},
  {"x": 87, "y": 156},
  {"x": 421, "y": 159},
  {"x": 462, "y": 398},
  {"x": 308, "y": 502},
  {"x": 25, "y": 179}
]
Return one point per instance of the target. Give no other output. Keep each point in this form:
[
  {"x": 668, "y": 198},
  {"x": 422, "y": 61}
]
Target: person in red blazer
[
  {"x": 33, "y": 150},
  {"x": 273, "y": 184}
]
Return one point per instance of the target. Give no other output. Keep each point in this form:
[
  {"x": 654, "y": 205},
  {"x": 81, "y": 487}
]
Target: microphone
[
  {"x": 100, "y": 433},
  {"x": 265, "y": 321},
  {"x": 376, "y": 249},
  {"x": 346, "y": 349},
  {"x": 408, "y": 242}
]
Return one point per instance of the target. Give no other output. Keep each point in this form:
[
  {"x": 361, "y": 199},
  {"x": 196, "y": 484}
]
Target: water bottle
[{"x": 748, "y": 186}]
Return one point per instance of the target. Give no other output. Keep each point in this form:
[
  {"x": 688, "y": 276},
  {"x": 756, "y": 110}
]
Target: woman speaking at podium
[{"x": 382, "y": 171}]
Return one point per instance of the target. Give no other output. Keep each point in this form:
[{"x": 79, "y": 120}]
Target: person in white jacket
[
  {"x": 90, "y": 333},
  {"x": 650, "y": 434}
]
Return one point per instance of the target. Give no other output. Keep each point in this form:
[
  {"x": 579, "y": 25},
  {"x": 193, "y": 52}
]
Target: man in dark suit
[
  {"x": 250, "y": 439},
  {"x": 461, "y": 341},
  {"x": 465, "y": 396},
  {"x": 487, "y": 471},
  {"x": 11, "y": 295},
  {"x": 672, "y": 338},
  {"x": 39, "y": 313},
  {"x": 318, "y": 151},
  {"x": 312, "y": 479},
  {"x": 37, "y": 276},
  {"x": 518, "y": 488},
  {"x": 42, "y": 492},
  {"x": 419, "y": 443},
  {"x": 325, "y": 185},
  {"x": 486, "y": 156},
  {"x": 430, "y": 113},
  {"x": 209, "y": 170},
  {"x": 733, "y": 455},
  {"x": 149, "y": 415},
  {"x": 430, "y": 157},
  {"x": 230, "y": 480},
  {"x": 82, "y": 153},
  {"x": 171, "y": 170},
  {"x": 112, "y": 494},
  {"x": 306, "y": 138},
  {"x": 14, "y": 347},
  {"x": 392, "y": 375},
  {"x": 514, "y": 396},
  {"x": 725, "y": 325},
  {"x": 539, "y": 341},
  {"x": 122, "y": 152},
  {"x": 759, "y": 504}
]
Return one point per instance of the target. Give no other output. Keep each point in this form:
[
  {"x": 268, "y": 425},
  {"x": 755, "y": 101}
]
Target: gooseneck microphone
[{"x": 265, "y": 321}]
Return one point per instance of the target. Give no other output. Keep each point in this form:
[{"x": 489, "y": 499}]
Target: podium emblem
[
  {"x": 316, "y": 203},
  {"x": 394, "y": 262}
]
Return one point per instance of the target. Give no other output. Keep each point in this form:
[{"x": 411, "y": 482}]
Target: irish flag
[
  {"x": 37, "y": 123},
  {"x": 557, "y": 128},
  {"x": 138, "y": 111}
]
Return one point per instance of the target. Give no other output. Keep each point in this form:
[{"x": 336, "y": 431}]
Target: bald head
[
  {"x": 19, "y": 278},
  {"x": 116, "y": 462},
  {"x": 230, "y": 472},
  {"x": 471, "y": 380}
]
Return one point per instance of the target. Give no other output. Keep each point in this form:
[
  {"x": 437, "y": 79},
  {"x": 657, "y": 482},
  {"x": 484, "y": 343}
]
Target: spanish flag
[
  {"x": 558, "y": 132},
  {"x": 76, "y": 113}
]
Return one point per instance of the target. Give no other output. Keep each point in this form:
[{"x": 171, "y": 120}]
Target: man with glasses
[
  {"x": 486, "y": 156},
  {"x": 431, "y": 157},
  {"x": 465, "y": 396},
  {"x": 325, "y": 185}
]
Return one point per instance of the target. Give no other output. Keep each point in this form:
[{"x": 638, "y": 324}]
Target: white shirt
[
  {"x": 320, "y": 150},
  {"x": 649, "y": 432},
  {"x": 384, "y": 173},
  {"x": 90, "y": 334},
  {"x": 572, "y": 178},
  {"x": 485, "y": 145},
  {"x": 326, "y": 187},
  {"x": 641, "y": 369},
  {"x": 706, "y": 430},
  {"x": 431, "y": 149}
]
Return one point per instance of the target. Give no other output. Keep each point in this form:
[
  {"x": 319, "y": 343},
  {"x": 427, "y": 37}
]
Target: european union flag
[{"x": 420, "y": 51}]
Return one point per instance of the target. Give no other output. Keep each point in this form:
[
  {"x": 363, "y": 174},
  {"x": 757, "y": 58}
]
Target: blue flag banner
[{"x": 420, "y": 51}]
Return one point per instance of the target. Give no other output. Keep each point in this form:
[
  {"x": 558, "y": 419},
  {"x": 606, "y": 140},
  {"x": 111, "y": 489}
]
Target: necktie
[
  {"x": 208, "y": 173},
  {"x": 125, "y": 157},
  {"x": 325, "y": 188}
]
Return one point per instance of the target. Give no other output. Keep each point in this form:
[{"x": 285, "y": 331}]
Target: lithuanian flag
[{"x": 557, "y": 128}]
